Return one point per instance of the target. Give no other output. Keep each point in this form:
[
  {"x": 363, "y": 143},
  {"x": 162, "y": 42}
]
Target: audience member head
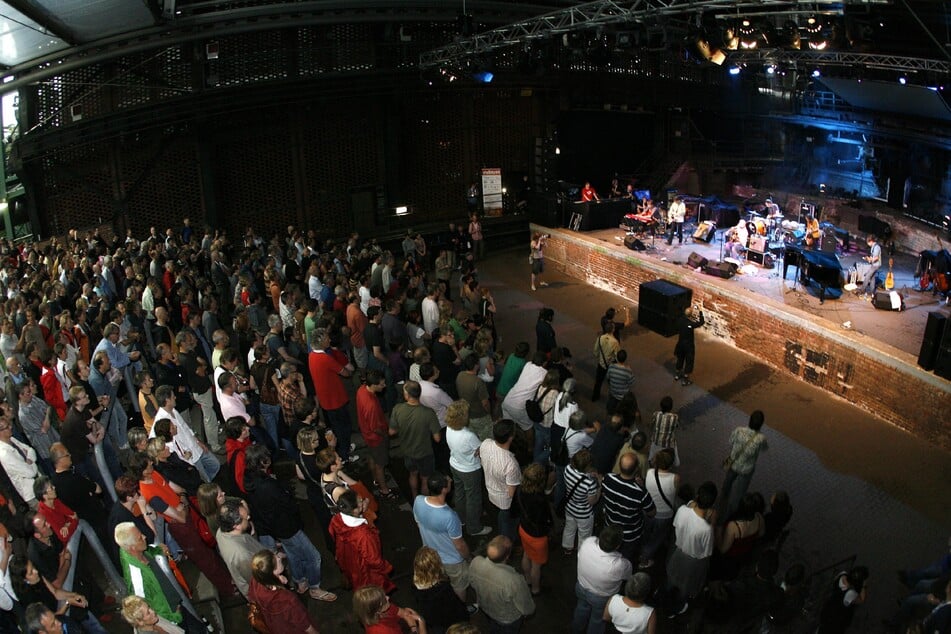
[
  {"x": 499, "y": 549},
  {"x": 369, "y": 604},
  {"x": 638, "y": 587},
  {"x": 706, "y": 495},
  {"x": 427, "y": 569},
  {"x": 534, "y": 478},
  {"x": 756, "y": 420},
  {"x": 457, "y": 415},
  {"x": 610, "y": 538},
  {"x": 257, "y": 458},
  {"x": 503, "y": 431}
]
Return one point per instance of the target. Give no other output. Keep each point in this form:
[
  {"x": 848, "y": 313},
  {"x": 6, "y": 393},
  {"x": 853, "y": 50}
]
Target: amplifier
[
  {"x": 763, "y": 259},
  {"x": 726, "y": 270},
  {"x": 758, "y": 243},
  {"x": 696, "y": 261}
]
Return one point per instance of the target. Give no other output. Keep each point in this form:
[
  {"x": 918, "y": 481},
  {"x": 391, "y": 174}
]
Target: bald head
[
  {"x": 628, "y": 465},
  {"x": 499, "y": 549}
]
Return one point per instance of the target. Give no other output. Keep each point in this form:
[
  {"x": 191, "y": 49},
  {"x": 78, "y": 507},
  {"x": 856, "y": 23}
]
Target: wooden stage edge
[{"x": 870, "y": 374}]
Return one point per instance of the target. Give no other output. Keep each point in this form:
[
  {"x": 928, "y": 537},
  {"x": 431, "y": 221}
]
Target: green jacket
[{"x": 152, "y": 589}]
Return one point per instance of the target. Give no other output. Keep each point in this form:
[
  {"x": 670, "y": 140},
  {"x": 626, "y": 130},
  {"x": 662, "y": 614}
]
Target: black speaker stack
[
  {"x": 660, "y": 304},
  {"x": 936, "y": 345}
]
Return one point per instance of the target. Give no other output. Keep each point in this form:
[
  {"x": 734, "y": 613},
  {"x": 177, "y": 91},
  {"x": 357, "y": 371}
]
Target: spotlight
[
  {"x": 557, "y": 150},
  {"x": 484, "y": 77},
  {"x": 748, "y": 35},
  {"x": 734, "y": 70},
  {"x": 771, "y": 69},
  {"x": 902, "y": 80},
  {"x": 818, "y": 37},
  {"x": 816, "y": 73}
]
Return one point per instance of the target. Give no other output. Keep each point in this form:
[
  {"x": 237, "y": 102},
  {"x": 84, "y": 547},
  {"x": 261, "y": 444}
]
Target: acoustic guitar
[{"x": 890, "y": 277}]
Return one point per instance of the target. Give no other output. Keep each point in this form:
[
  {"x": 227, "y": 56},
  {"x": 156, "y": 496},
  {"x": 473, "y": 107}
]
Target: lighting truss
[
  {"x": 838, "y": 58},
  {"x": 600, "y": 13}
]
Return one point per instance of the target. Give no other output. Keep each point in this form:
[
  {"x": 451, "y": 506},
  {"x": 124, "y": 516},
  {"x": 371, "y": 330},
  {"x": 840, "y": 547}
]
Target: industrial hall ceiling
[{"x": 41, "y": 38}]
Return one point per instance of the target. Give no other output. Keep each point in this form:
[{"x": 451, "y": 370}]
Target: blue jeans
[
  {"x": 208, "y": 466},
  {"x": 270, "y": 415},
  {"x": 303, "y": 558},
  {"x": 735, "y": 486},
  {"x": 589, "y": 612},
  {"x": 508, "y": 525},
  {"x": 542, "y": 449},
  {"x": 339, "y": 421}
]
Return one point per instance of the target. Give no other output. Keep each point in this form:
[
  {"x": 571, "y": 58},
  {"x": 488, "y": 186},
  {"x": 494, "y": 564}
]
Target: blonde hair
[
  {"x": 155, "y": 447},
  {"x": 307, "y": 439},
  {"x": 427, "y": 568},
  {"x": 132, "y": 608},
  {"x": 457, "y": 414},
  {"x": 368, "y": 603}
]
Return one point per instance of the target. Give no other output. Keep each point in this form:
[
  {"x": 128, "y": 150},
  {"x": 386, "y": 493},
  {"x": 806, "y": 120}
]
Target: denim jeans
[
  {"x": 270, "y": 415},
  {"x": 589, "y": 612},
  {"x": 209, "y": 420},
  {"x": 85, "y": 530},
  {"x": 339, "y": 421},
  {"x": 734, "y": 488},
  {"x": 304, "y": 558},
  {"x": 508, "y": 525},
  {"x": 208, "y": 466},
  {"x": 542, "y": 449},
  {"x": 467, "y": 493}
]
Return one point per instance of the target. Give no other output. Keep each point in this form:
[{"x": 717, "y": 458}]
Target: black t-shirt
[
  {"x": 176, "y": 470},
  {"x": 45, "y": 558},
  {"x": 373, "y": 335},
  {"x": 197, "y": 384},
  {"x": 119, "y": 514},
  {"x": 79, "y": 493},
  {"x": 73, "y": 433},
  {"x": 607, "y": 443}
]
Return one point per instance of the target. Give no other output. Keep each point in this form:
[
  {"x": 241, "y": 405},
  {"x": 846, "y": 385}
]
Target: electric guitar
[{"x": 890, "y": 277}]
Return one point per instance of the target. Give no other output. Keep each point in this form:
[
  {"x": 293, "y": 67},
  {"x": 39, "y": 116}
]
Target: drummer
[{"x": 772, "y": 209}]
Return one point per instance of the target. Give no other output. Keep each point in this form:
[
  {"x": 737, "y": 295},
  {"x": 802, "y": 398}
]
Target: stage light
[
  {"x": 735, "y": 70},
  {"x": 557, "y": 150},
  {"x": 484, "y": 77},
  {"x": 816, "y": 73},
  {"x": 748, "y": 35},
  {"x": 771, "y": 69},
  {"x": 817, "y": 31},
  {"x": 401, "y": 210},
  {"x": 902, "y": 80}
]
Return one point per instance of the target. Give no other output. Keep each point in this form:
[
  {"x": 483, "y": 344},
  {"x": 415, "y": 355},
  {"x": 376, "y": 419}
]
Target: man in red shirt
[
  {"x": 357, "y": 323},
  {"x": 588, "y": 194},
  {"x": 375, "y": 428},
  {"x": 328, "y": 368}
]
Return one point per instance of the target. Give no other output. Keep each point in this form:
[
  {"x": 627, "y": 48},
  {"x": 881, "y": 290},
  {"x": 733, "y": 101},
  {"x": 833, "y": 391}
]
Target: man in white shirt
[
  {"x": 430, "y": 309},
  {"x": 513, "y": 406},
  {"x": 184, "y": 442},
  {"x": 18, "y": 460},
  {"x": 502, "y": 473},
  {"x": 601, "y": 571}
]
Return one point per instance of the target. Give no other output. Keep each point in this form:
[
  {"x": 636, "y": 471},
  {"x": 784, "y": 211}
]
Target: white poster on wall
[{"x": 492, "y": 191}]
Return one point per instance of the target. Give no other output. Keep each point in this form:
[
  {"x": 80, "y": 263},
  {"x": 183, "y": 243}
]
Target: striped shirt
[
  {"x": 665, "y": 424},
  {"x": 578, "y": 506},
  {"x": 625, "y": 502},
  {"x": 620, "y": 380}
]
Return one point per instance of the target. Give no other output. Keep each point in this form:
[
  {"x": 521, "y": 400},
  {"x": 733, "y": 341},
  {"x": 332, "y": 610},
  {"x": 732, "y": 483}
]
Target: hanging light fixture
[{"x": 748, "y": 35}]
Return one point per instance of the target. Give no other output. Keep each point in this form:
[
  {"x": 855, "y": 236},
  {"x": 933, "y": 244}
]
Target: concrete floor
[{"x": 859, "y": 486}]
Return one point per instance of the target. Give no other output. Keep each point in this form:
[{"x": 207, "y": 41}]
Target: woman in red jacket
[{"x": 357, "y": 545}]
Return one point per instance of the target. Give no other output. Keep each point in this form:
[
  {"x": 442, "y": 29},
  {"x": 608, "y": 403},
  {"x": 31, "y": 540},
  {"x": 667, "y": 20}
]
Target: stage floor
[{"x": 902, "y": 330}]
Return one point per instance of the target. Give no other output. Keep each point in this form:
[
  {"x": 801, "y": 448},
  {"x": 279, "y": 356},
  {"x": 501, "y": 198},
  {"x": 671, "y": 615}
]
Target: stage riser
[{"x": 874, "y": 376}]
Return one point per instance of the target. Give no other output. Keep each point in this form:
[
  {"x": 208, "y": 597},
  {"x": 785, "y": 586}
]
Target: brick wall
[{"x": 876, "y": 377}]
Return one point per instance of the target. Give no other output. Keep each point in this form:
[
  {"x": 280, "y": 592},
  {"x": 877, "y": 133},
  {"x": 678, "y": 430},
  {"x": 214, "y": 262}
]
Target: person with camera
[{"x": 537, "y": 257}]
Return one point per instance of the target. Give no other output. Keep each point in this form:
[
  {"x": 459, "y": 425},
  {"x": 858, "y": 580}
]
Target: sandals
[{"x": 322, "y": 595}]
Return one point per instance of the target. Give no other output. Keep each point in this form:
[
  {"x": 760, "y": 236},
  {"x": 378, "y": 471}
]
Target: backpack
[{"x": 533, "y": 407}]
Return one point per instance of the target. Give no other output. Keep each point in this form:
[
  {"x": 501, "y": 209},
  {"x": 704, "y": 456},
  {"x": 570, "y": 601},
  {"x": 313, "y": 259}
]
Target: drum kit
[{"x": 769, "y": 223}]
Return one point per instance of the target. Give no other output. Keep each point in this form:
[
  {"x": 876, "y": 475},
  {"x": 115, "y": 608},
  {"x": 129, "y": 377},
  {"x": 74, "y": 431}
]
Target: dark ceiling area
[{"x": 41, "y": 33}]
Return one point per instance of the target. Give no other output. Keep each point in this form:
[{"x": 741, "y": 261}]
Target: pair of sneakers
[{"x": 683, "y": 378}]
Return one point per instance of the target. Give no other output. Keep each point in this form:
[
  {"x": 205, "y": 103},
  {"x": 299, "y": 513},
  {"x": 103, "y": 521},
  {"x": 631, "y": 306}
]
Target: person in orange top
[{"x": 357, "y": 322}]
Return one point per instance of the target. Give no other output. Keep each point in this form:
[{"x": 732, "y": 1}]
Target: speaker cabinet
[
  {"x": 660, "y": 304},
  {"x": 725, "y": 270},
  {"x": 696, "y": 261},
  {"x": 942, "y": 362},
  {"x": 934, "y": 331}
]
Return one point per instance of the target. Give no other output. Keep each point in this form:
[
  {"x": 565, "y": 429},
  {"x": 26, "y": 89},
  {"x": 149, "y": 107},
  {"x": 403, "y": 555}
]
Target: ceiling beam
[
  {"x": 839, "y": 58},
  {"x": 48, "y": 21}
]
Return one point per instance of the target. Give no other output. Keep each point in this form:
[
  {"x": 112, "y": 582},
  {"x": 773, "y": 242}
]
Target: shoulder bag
[{"x": 728, "y": 463}]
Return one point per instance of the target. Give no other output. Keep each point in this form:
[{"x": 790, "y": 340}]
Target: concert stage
[{"x": 871, "y": 363}]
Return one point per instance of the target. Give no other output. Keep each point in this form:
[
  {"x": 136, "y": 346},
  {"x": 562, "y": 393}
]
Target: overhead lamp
[
  {"x": 817, "y": 32},
  {"x": 816, "y": 73},
  {"x": 734, "y": 70},
  {"x": 748, "y": 35},
  {"x": 771, "y": 69},
  {"x": 902, "y": 80}
]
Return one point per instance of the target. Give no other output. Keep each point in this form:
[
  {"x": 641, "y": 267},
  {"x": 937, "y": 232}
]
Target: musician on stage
[
  {"x": 874, "y": 258},
  {"x": 737, "y": 240},
  {"x": 588, "y": 194},
  {"x": 675, "y": 220},
  {"x": 812, "y": 232},
  {"x": 615, "y": 188}
]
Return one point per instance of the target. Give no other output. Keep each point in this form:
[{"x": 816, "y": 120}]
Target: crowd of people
[{"x": 152, "y": 387}]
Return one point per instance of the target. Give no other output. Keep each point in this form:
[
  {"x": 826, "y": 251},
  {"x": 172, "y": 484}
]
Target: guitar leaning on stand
[{"x": 890, "y": 277}]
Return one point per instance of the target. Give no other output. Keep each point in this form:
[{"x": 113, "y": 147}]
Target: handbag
[
  {"x": 728, "y": 463},
  {"x": 256, "y": 619},
  {"x": 560, "y": 457}
]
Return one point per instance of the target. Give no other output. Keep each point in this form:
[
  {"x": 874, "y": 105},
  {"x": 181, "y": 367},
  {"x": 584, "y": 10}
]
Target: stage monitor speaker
[
  {"x": 827, "y": 241},
  {"x": 934, "y": 330},
  {"x": 696, "y": 261},
  {"x": 705, "y": 231},
  {"x": 942, "y": 362},
  {"x": 660, "y": 304},
  {"x": 634, "y": 244},
  {"x": 726, "y": 270},
  {"x": 759, "y": 243}
]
